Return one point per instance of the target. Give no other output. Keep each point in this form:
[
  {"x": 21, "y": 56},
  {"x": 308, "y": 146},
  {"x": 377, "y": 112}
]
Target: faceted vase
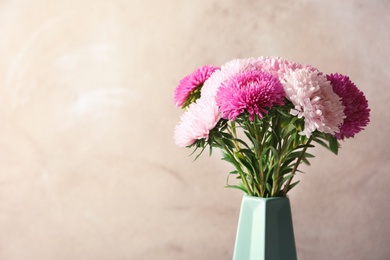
[{"x": 265, "y": 230}]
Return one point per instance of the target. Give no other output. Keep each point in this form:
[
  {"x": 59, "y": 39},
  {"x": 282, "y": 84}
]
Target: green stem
[
  {"x": 281, "y": 153},
  {"x": 232, "y": 131},
  {"x": 242, "y": 174},
  {"x": 261, "y": 173},
  {"x": 285, "y": 190}
]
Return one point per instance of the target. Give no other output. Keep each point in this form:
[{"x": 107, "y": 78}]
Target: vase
[{"x": 265, "y": 230}]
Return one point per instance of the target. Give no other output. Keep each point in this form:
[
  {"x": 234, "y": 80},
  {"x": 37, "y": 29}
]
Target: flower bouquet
[{"x": 264, "y": 114}]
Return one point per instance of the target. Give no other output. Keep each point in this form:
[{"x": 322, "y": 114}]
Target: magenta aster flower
[
  {"x": 189, "y": 87},
  {"x": 356, "y": 106},
  {"x": 197, "y": 122},
  {"x": 252, "y": 91},
  {"x": 314, "y": 100}
]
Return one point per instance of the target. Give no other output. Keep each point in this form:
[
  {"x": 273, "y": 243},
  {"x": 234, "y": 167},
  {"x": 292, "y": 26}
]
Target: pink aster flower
[
  {"x": 227, "y": 71},
  {"x": 356, "y": 106},
  {"x": 314, "y": 99},
  {"x": 197, "y": 122},
  {"x": 252, "y": 91},
  {"x": 191, "y": 84}
]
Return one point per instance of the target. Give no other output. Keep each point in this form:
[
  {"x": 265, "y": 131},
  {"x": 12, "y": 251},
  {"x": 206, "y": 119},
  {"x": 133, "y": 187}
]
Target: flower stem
[
  {"x": 242, "y": 174},
  {"x": 283, "y": 146},
  {"x": 285, "y": 189},
  {"x": 261, "y": 172},
  {"x": 232, "y": 131}
]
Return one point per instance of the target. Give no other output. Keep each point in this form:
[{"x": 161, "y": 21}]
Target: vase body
[{"x": 265, "y": 230}]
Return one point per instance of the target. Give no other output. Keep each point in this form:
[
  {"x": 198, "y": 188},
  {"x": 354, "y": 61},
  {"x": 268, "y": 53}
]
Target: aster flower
[
  {"x": 252, "y": 91},
  {"x": 314, "y": 99},
  {"x": 356, "y": 106},
  {"x": 197, "y": 122},
  {"x": 279, "y": 67},
  {"x": 264, "y": 114},
  {"x": 189, "y": 87},
  {"x": 227, "y": 71}
]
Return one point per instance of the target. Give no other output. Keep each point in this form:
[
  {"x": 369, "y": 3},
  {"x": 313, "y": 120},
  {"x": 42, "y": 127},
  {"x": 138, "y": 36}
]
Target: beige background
[{"x": 88, "y": 168}]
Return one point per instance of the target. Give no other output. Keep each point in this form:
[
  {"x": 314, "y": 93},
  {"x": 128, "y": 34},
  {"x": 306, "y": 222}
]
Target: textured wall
[{"x": 88, "y": 168}]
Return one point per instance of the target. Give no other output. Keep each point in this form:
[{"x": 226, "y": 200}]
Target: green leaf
[
  {"x": 286, "y": 177},
  {"x": 319, "y": 141},
  {"x": 288, "y": 129},
  {"x": 243, "y": 143},
  {"x": 328, "y": 141},
  {"x": 305, "y": 161},
  {"x": 292, "y": 185},
  {"x": 285, "y": 170},
  {"x": 247, "y": 152},
  {"x": 288, "y": 161},
  {"x": 309, "y": 155},
  {"x": 229, "y": 143},
  {"x": 248, "y": 135},
  {"x": 303, "y": 146},
  {"x": 201, "y": 151},
  {"x": 268, "y": 187},
  {"x": 243, "y": 160},
  {"x": 227, "y": 157},
  {"x": 334, "y": 145},
  {"x": 210, "y": 151},
  {"x": 234, "y": 172},
  {"x": 275, "y": 153},
  {"x": 236, "y": 187},
  {"x": 294, "y": 155},
  {"x": 226, "y": 135}
]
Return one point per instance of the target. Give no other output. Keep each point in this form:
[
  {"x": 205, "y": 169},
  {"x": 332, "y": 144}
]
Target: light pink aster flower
[
  {"x": 279, "y": 67},
  {"x": 314, "y": 99},
  {"x": 197, "y": 122},
  {"x": 191, "y": 84},
  {"x": 252, "y": 91},
  {"x": 356, "y": 106}
]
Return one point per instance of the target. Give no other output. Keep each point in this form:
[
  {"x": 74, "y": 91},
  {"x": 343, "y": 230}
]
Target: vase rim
[{"x": 269, "y": 198}]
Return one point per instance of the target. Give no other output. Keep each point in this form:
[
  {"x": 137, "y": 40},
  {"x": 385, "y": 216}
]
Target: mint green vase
[{"x": 265, "y": 230}]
